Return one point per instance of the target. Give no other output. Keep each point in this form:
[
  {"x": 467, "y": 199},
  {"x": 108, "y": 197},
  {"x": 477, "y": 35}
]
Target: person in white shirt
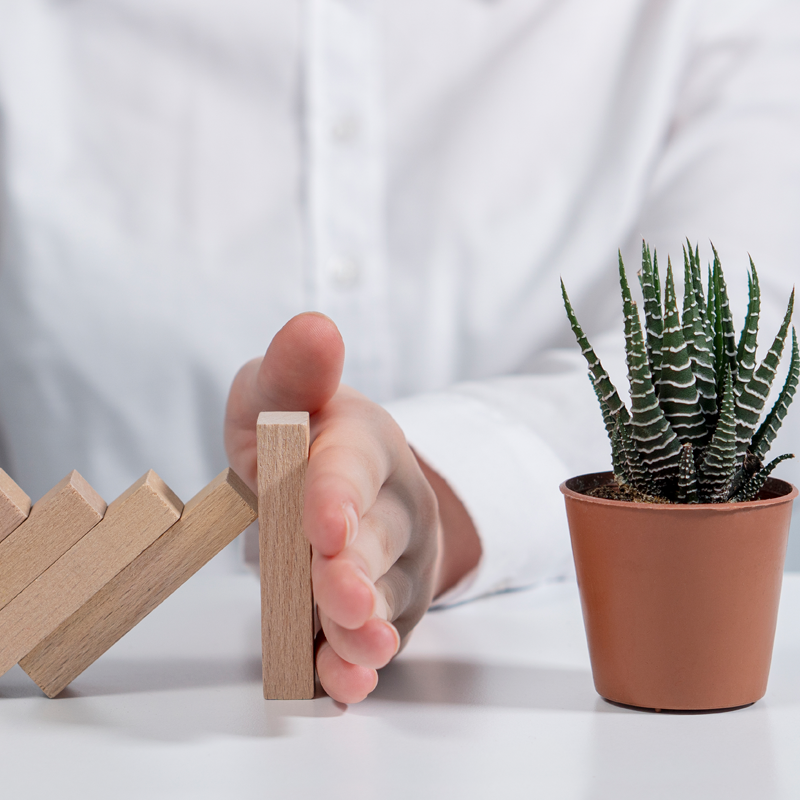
[{"x": 180, "y": 178}]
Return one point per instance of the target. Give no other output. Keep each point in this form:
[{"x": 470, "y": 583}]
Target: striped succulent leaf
[
  {"x": 607, "y": 395},
  {"x": 719, "y": 463},
  {"x": 619, "y": 461},
  {"x": 687, "y": 476},
  {"x": 699, "y": 341},
  {"x": 677, "y": 390},
  {"x": 636, "y": 472},
  {"x": 750, "y": 403},
  {"x": 656, "y": 442},
  {"x": 754, "y": 484},
  {"x": 765, "y": 435},
  {"x": 653, "y": 314},
  {"x": 724, "y": 333},
  {"x": 746, "y": 350},
  {"x": 692, "y": 259}
]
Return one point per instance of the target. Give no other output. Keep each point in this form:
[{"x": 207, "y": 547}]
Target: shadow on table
[
  {"x": 172, "y": 700},
  {"x": 493, "y": 685}
]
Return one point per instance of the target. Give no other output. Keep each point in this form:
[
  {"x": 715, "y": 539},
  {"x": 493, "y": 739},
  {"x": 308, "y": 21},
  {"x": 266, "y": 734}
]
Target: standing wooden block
[
  {"x": 65, "y": 514},
  {"x": 287, "y": 606},
  {"x": 132, "y": 522},
  {"x": 15, "y": 505},
  {"x": 210, "y": 521}
]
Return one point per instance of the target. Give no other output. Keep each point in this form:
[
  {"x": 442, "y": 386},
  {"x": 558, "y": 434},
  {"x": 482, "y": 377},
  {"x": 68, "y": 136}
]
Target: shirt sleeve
[{"x": 504, "y": 446}]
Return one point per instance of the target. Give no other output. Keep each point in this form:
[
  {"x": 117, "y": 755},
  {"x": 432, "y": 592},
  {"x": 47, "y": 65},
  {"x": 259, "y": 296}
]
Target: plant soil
[{"x": 613, "y": 491}]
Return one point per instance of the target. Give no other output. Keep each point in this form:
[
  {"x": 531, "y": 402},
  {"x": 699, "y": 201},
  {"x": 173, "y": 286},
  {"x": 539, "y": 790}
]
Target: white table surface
[{"x": 490, "y": 700}]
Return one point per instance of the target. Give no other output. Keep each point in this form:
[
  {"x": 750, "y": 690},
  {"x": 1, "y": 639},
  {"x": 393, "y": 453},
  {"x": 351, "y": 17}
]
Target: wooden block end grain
[
  {"x": 15, "y": 505},
  {"x": 287, "y": 606},
  {"x": 211, "y": 520}
]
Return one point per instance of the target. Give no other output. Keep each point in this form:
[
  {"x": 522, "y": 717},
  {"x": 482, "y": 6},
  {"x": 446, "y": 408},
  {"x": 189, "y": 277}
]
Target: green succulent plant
[{"x": 692, "y": 433}]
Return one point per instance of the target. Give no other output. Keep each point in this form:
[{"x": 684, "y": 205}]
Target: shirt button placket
[{"x": 346, "y": 189}]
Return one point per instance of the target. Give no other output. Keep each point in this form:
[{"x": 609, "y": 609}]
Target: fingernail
[
  {"x": 396, "y": 637},
  {"x": 351, "y": 524}
]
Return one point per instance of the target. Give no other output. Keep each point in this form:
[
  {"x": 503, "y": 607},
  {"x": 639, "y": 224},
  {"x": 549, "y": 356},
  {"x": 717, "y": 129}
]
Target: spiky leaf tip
[
  {"x": 610, "y": 403},
  {"x": 765, "y": 435}
]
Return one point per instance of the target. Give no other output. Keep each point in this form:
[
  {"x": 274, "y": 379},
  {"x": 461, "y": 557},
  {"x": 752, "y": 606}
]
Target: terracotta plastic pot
[{"x": 679, "y": 601}]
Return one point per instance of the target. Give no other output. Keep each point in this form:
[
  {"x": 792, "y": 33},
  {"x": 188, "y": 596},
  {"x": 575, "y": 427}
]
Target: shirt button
[
  {"x": 345, "y": 271},
  {"x": 345, "y": 129}
]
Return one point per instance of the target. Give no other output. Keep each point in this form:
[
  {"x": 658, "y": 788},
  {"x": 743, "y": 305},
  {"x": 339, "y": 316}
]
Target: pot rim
[{"x": 782, "y": 491}]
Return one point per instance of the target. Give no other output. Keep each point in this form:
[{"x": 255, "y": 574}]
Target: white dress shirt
[{"x": 180, "y": 177}]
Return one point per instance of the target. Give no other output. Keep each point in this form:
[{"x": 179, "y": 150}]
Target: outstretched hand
[{"x": 379, "y": 549}]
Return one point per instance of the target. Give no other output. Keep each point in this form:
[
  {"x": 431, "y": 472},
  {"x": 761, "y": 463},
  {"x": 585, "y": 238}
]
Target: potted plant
[{"x": 679, "y": 550}]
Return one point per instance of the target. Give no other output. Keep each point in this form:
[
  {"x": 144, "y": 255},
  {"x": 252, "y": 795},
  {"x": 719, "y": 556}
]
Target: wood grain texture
[
  {"x": 56, "y": 522},
  {"x": 287, "y": 606},
  {"x": 15, "y": 505},
  {"x": 210, "y": 521},
  {"x": 131, "y": 523}
]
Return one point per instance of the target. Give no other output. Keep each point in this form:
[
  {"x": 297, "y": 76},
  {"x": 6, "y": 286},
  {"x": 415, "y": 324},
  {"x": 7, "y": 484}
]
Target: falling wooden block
[
  {"x": 287, "y": 606},
  {"x": 131, "y": 523},
  {"x": 56, "y": 522},
  {"x": 210, "y": 521},
  {"x": 15, "y": 505}
]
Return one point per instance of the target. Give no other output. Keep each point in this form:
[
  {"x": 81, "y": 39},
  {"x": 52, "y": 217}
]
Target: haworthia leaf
[
  {"x": 699, "y": 345},
  {"x": 724, "y": 321},
  {"x": 687, "y": 476},
  {"x": 693, "y": 259},
  {"x": 705, "y": 306},
  {"x": 711, "y": 313},
  {"x": 765, "y": 435},
  {"x": 619, "y": 463},
  {"x": 635, "y": 470},
  {"x": 750, "y": 403},
  {"x": 610, "y": 403},
  {"x": 656, "y": 442},
  {"x": 746, "y": 350},
  {"x": 754, "y": 485},
  {"x": 677, "y": 391},
  {"x": 654, "y": 318},
  {"x": 719, "y": 463}
]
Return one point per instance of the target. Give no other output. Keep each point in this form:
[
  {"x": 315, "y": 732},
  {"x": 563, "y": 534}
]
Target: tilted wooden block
[
  {"x": 211, "y": 520},
  {"x": 131, "y": 523},
  {"x": 15, "y": 505},
  {"x": 287, "y": 605},
  {"x": 65, "y": 514}
]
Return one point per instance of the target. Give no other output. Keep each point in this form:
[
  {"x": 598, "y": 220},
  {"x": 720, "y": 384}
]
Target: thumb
[
  {"x": 300, "y": 371},
  {"x": 302, "y": 367}
]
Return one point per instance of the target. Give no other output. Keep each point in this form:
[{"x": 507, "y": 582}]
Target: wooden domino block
[
  {"x": 56, "y": 522},
  {"x": 15, "y": 505},
  {"x": 287, "y": 606},
  {"x": 211, "y": 520},
  {"x": 131, "y": 523}
]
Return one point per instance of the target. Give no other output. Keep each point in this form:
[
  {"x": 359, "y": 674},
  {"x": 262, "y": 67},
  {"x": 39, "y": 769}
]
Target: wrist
[{"x": 459, "y": 543}]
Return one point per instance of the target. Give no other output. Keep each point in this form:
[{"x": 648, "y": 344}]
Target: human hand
[{"x": 370, "y": 512}]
